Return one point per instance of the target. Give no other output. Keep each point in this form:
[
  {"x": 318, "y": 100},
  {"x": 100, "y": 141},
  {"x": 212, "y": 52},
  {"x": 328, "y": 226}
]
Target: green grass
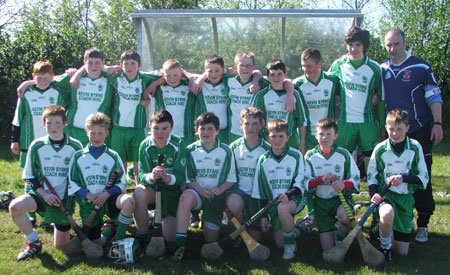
[{"x": 431, "y": 258}]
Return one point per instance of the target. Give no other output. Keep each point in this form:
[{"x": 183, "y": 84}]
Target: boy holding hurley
[
  {"x": 90, "y": 170},
  {"x": 49, "y": 157},
  {"x": 398, "y": 161}
]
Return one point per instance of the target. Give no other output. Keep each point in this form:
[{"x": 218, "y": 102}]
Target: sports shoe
[
  {"x": 303, "y": 227},
  {"x": 48, "y": 227},
  {"x": 195, "y": 221},
  {"x": 422, "y": 235},
  {"x": 289, "y": 251},
  {"x": 29, "y": 251},
  {"x": 178, "y": 255},
  {"x": 387, "y": 256}
]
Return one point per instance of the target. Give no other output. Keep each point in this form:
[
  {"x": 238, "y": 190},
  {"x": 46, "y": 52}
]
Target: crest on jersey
[
  {"x": 183, "y": 93},
  {"x": 105, "y": 168},
  {"x": 288, "y": 171},
  {"x": 183, "y": 162},
  {"x": 388, "y": 75},
  {"x": 337, "y": 168},
  {"x": 51, "y": 100},
  {"x": 136, "y": 90},
  {"x": 100, "y": 87},
  {"x": 223, "y": 91},
  {"x": 326, "y": 92},
  {"x": 217, "y": 162},
  {"x": 169, "y": 161},
  {"x": 364, "y": 79},
  {"x": 66, "y": 160},
  {"x": 406, "y": 76}
]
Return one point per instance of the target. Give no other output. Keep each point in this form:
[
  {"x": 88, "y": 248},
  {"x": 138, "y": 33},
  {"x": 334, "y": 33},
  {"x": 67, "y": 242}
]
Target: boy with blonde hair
[{"x": 398, "y": 161}]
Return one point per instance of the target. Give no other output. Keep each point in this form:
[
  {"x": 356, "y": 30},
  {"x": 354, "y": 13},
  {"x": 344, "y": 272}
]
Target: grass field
[{"x": 423, "y": 259}]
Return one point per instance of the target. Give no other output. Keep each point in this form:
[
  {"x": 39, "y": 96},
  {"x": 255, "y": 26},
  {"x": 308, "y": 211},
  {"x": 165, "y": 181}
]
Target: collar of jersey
[
  {"x": 153, "y": 142},
  {"x": 85, "y": 75},
  {"x": 122, "y": 74},
  {"x": 366, "y": 58},
  {"x": 283, "y": 154},
  {"x": 238, "y": 78},
  {"x": 86, "y": 151},
  {"x": 212, "y": 149},
  {"x": 48, "y": 142},
  {"x": 389, "y": 147},
  {"x": 408, "y": 55},
  {"x": 333, "y": 149},
  {"x": 214, "y": 85},
  {"x": 278, "y": 92},
  {"x": 318, "y": 81},
  {"x": 260, "y": 144}
]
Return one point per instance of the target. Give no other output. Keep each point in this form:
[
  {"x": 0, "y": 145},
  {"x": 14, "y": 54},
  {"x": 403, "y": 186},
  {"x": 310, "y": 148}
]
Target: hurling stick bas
[
  {"x": 371, "y": 255},
  {"x": 214, "y": 250},
  {"x": 91, "y": 250},
  {"x": 156, "y": 247},
  {"x": 337, "y": 253}
]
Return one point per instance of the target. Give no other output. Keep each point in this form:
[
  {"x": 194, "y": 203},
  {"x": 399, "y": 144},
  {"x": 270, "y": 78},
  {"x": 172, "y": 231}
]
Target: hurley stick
[
  {"x": 91, "y": 250},
  {"x": 337, "y": 253},
  {"x": 371, "y": 255},
  {"x": 156, "y": 248},
  {"x": 213, "y": 251}
]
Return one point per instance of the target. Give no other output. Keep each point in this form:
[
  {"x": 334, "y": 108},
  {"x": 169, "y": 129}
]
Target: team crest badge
[
  {"x": 406, "y": 76},
  {"x": 364, "y": 79},
  {"x": 100, "y": 87},
  {"x": 66, "y": 160},
  {"x": 183, "y": 93},
  {"x": 170, "y": 161},
  {"x": 288, "y": 171},
  {"x": 223, "y": 91},
  {"x": 105, "y": 169},
  {"x": 326, "y": 92},
  {"x": 217, "y": 162},
  {"x": 136, "y": 90},
  {"x": 337, "y": 168},
  {"x": 51, "y": 100},
  {"x": 183, "y": 162}
]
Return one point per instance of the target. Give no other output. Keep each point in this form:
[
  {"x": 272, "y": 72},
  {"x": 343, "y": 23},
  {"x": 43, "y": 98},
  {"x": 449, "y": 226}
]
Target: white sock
[
  {"x": 32, "y": 238},
  {"x": 386, "y": 242}
]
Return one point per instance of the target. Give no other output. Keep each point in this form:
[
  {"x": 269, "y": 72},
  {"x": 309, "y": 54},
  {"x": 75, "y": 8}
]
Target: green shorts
[
  {"x": 126, "y": 140},
  {"x": 223, "y": 135},
  {"x": 325, "y": 212},
  {"x": 275, "y": 222},
  {"x": 366, "y": 135},
  {"x": 212, "y": 208},
  {"x": 250, "y": 208},
  {"x": 109, "y": 209},
  {"x": 310, "y": 141},
  {"x": 22, "y": 159},
  {"x": 403, "y": 208},
  {"x": 294, "y": 140},
  {"x": 169, "y": 200},
  {"x": 53, "y": 213}
]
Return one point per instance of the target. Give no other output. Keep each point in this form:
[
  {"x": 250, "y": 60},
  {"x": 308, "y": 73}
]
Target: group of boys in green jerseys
[{"x": 208, "y": 108}]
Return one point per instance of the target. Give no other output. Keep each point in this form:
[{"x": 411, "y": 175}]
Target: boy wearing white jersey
[
  {"x": 271, "y": 101},
  {"x": 174, "y": 96},
  {"x": 239, "y": 94},
  {"x": 210, "y": 172},
  {"x": 49, "y": 157},
  {"x": 330, "y": 169},
  {"x": 280, "y": 174},
  {"x": 398, "y": 161},
  {"x": 130, "y": 113},
  {"x": 360, "y": 78},
  {"x": 247, "y": 151},
  {"x": 90, "y": 170}
]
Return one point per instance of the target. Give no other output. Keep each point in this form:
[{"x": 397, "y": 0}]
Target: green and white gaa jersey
[
  {"x": 339, "y": 163},
  {"x": 276, "y": 176},
  {"x": 358, "y": 85},
  {"x": 93, "y": 173},
  {"x": 180, "y": 103},
  {"x": 210, "y": 168},
  {"x": 28, "y": 114},
  {"x": 174, "y": 160},
  {"x": 385, "y": 162},
  {"x": 94, "y": 95},
  {"x": 239, "y": 97},
  {"x": 318, "y": 98},
  {"x": 52, "y": 162},
  {"x": 127, "y": 111},
  {"x": 272, "y": 103},
  {"x": 246, "y": 159},
  {"x": 214, "y": 98}
]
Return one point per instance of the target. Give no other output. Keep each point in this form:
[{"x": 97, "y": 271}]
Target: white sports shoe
[
  {"x": 289, "y": 251},
  {"x": 422, "y": 235}
]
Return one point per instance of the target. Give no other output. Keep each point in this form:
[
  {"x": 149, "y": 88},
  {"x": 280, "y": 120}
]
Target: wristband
[{"x": 437, "y": 123}]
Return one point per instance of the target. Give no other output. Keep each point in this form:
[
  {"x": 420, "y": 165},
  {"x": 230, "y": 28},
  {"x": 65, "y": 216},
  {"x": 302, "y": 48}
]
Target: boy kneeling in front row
[{"x": 398, "y": 161}]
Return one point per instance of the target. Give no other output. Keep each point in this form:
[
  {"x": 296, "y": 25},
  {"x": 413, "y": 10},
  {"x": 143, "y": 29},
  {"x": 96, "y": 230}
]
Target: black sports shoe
[
  {"x": 48, "y": 227},
  {"x": 178, "y": 255},
  {"x": 387, "y": 256},
  {"x": 29, "y": 251}
]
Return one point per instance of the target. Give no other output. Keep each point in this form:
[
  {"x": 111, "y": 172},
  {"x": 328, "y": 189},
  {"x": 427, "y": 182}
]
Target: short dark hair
[
  {"x": 207, "y": 118},
  {"x": 326, "y": 124},
  {"x": 355, "y": 34},
  {"x": 130, "y": 55},
  {"x": 313, "y": 54},
  {"x": 276, "y": 64},
  {"x": 277, "y": 125},
  {"x": 398, "y": 116},
  {"x": 161, "y": 116},
  {"x": 54, "y": 110},
  {"x": 215, "y": 59},
  {"x": 93, "y": 53}
]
